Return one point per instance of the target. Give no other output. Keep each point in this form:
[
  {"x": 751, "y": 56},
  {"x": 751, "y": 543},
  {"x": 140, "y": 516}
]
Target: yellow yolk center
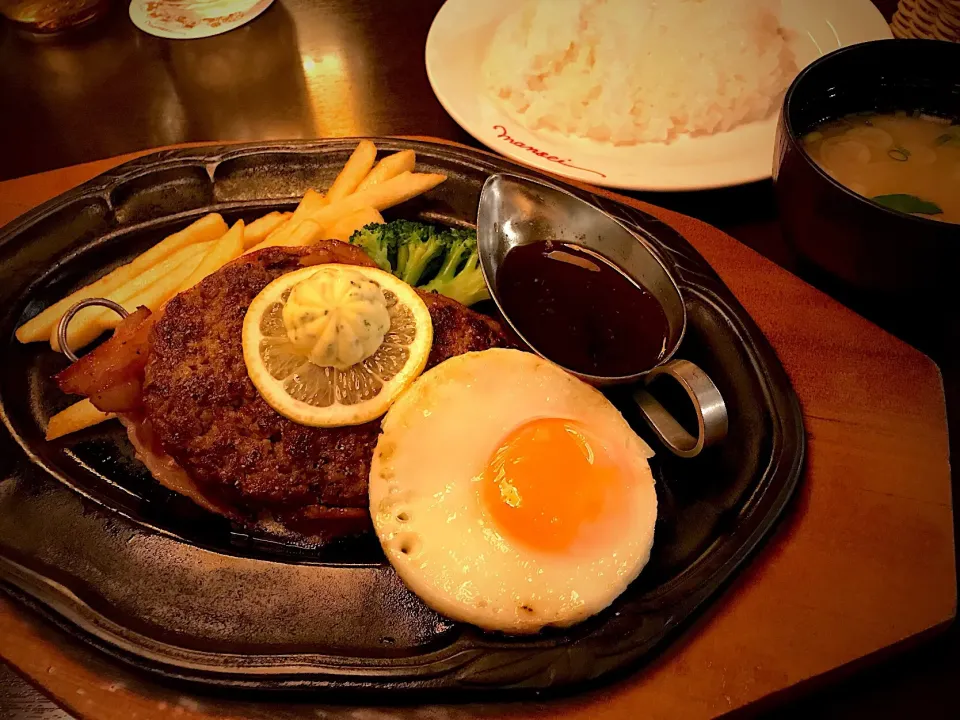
[{"x": 549, "y": 485}]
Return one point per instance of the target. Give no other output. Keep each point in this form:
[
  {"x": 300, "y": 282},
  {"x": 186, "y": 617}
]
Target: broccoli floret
[
  {"x": 417, "y": 246},
  {"x": 377, "y": 241},
  {"x": 415, "y": 252},
  {"x": 460, "y": 276}
]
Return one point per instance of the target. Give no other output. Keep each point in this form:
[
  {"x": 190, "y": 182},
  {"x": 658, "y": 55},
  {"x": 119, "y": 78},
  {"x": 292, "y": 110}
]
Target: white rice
[{"x": 633, "y": 71}]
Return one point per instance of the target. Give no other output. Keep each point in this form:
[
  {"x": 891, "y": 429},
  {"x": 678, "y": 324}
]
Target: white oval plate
[{"x": 456, "y": 46}]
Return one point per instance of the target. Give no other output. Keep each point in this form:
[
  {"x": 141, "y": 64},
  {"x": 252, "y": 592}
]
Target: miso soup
[{"x": 907, "y": 162}]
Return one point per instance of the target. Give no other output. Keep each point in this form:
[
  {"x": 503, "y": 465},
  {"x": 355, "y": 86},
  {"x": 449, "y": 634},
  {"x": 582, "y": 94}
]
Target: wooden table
[{"x": 324, "y": 68}]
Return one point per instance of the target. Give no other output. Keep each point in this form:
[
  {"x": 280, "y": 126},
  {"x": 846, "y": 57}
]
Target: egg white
[{"x": 427, "y": 511}]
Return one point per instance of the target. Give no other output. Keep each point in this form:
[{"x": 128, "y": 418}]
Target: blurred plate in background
[
  {"x": 455, "y": 50},
  {"x": 186, "y": 19}
]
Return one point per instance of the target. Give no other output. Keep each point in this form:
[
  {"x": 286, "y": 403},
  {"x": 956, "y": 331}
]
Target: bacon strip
[{"x": 112, "y": 375}]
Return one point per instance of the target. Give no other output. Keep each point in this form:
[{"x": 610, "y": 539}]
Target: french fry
[
  {"x": 224, "y": 250},
  {"x": 209, "y": 227},
  {"x": 152, "y": 289},
  {"x": 78, "y": 416},
  {"x": 258, "y": 230},
  {"x": 160, "y": 270},
  {"x": 155, "y": 295},
  {"x": 379, "y": 197},
  {"x": 390, "y": 166},
  {"x": 278, "y": 238},
  {"x": 384, "y": 195},
  {"x": 354, "y": 171},
  {"x": 307, "y": 233},
  {"x": 310, "y": 203},
  {"x": 274, "y": 239},
  {"x": 346, "y": 226},
  {"x": 85, "y": 322}
]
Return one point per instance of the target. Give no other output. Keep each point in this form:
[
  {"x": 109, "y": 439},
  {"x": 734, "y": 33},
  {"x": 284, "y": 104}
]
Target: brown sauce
[{"x": 580, "y": 310}]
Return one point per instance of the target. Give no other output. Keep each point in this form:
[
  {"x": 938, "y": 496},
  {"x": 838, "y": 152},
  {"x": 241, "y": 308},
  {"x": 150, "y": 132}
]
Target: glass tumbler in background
[{"x": 52, "y": 16}]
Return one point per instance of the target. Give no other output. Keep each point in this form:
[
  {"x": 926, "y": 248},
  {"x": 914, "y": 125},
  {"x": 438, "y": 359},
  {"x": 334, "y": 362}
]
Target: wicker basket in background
[{"x": 928, "y": 19}]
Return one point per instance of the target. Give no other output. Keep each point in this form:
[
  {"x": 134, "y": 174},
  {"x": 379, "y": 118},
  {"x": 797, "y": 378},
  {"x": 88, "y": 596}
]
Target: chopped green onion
[
  {"x": 898, "y": 153},
  {"x": 908, "y": 204}
]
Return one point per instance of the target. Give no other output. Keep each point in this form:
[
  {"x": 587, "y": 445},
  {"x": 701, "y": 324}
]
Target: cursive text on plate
[{"x": 543, "y": 154}]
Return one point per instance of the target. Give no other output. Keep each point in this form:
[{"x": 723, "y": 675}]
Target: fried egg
[{"x": 509, "y": 494}]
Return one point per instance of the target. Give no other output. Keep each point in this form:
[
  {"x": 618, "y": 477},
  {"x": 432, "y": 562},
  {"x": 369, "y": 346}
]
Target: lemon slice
[{"x": 324, "y": 396}]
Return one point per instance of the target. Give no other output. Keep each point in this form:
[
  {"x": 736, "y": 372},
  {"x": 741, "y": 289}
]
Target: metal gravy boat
[{"x": 516, "y": 211}]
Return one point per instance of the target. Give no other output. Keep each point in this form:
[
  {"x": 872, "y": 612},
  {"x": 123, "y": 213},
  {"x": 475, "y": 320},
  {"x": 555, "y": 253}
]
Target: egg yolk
[{"x": 549, "y": 486}]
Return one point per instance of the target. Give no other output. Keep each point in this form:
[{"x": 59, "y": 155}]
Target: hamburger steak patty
[{"x": 206, "y": 413}]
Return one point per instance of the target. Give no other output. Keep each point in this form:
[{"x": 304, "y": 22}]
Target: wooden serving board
[{"x": 863, "y": 563}]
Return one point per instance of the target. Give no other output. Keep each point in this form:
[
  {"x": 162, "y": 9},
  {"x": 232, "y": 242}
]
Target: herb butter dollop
[{"x": 336, "y": 317}]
